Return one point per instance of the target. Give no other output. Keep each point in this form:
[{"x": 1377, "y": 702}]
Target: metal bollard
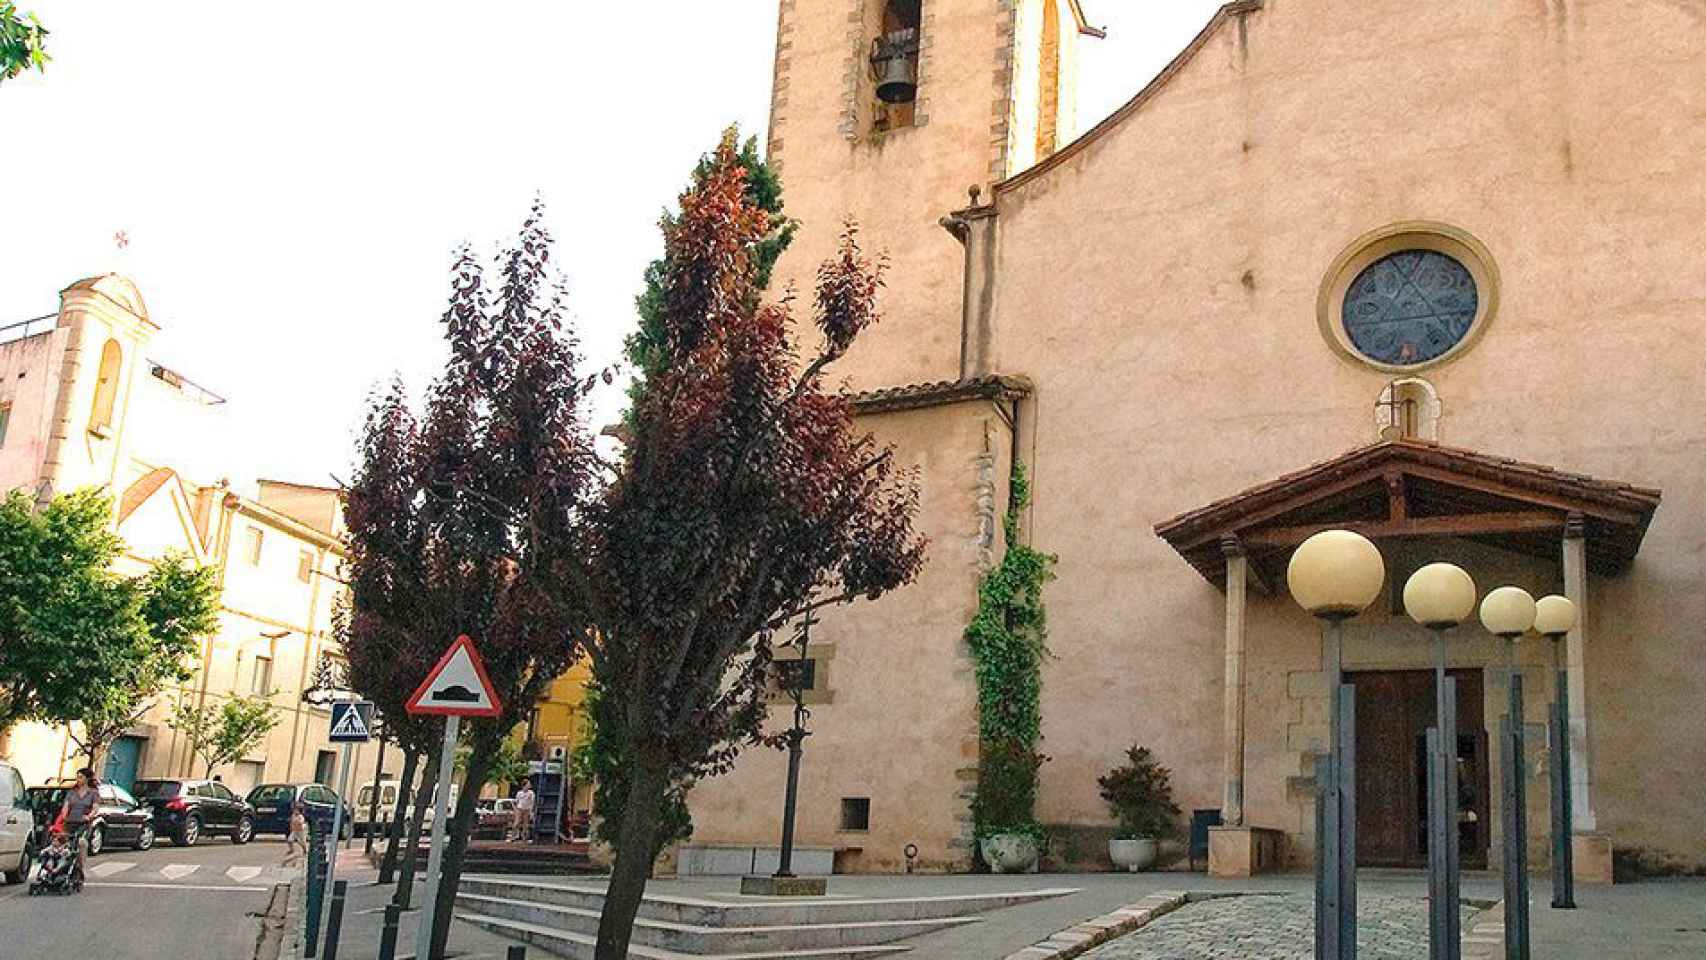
[
  {"x": 388, "y": 935},
  {"x": 335, "y": 922},
  {"x": 316, "y": 880},
  {"x": 516, "y": 953}
]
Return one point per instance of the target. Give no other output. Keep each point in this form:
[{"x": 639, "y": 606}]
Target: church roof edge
[{"x": 938, "y": 393}]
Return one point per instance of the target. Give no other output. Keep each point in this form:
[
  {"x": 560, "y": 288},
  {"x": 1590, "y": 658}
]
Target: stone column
[
  {"x": 1232, "y": 802},
  {"x": 1575, "y": 587}
]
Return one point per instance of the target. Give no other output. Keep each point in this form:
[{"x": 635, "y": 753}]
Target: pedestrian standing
[{"x": 524, "y": 811}]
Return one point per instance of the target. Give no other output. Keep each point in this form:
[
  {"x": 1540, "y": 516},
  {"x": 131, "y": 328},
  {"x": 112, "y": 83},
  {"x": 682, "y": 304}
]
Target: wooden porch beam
[{"x": 1464, "y": 525}]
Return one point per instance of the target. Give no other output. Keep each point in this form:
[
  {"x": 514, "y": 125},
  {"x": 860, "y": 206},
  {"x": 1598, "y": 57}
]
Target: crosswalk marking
[
  {"x": 109, "y": 868},
  {"x": 177, "y": 871},
  {"x": 243, "y": 874}
]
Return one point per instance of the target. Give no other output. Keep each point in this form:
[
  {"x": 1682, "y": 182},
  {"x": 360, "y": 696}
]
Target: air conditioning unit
[{"x": 559, "y": 753}]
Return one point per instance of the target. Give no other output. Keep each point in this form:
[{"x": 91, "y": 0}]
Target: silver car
[{"x": 17, "y": 822}]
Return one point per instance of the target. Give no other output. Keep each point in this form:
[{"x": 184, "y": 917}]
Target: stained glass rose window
[{"x": 1410, "y": 307}]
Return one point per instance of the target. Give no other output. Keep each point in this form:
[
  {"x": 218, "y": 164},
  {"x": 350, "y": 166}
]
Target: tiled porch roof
[
  {"x": 1410, "y": 488},
  {"x": 939, "y": 392}
]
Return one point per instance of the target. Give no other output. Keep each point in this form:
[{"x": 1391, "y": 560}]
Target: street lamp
[
  {"x": 796, "y": 738},
  {"x": 1335, "y": 575},
  {"x": 1554, "y": 618},
  {"x": 1508, "y": 613},
  {"x": 1440, "y": 596}
]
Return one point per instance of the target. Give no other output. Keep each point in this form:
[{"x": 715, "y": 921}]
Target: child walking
[{"x": 296, "y": 841}]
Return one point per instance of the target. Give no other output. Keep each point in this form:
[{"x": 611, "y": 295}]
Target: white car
[
  {"x": 17, "y": 821},
  {"x": 388, "y": 806}
]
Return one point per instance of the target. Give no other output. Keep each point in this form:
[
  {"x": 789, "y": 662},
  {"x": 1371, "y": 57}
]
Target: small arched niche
[{"x": 1408, "y": 409}]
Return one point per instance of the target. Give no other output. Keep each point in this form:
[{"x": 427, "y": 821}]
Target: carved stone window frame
[{"x": 1454, "y": 242}]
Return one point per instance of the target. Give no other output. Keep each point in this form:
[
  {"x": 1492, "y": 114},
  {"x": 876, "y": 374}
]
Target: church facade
[{"x": 1430, "y": 272}]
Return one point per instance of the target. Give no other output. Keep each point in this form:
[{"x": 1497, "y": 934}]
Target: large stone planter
[
  {"x": 1010, "y": 853},
  {"x": 1133, "y": 855}
]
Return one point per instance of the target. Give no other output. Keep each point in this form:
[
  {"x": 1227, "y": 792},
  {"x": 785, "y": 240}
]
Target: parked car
[
  {"x": 186, "y": 809},
  {"x": 16, "y": 825},
  {"x": 272, "y": 803},
  {"x": 389, "y": 807},
  {"x": 120, "y": 819}
]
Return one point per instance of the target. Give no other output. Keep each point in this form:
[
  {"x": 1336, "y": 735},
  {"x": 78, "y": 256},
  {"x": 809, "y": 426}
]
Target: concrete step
[
  {"x": 700, "y": 941},
  {"x": 752, "y": 911},
  {"x": 579, "y": 946}
]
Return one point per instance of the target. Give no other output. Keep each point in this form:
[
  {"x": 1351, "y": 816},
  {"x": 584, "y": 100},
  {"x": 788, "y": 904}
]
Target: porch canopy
[{"x": 1408, "y": 489}]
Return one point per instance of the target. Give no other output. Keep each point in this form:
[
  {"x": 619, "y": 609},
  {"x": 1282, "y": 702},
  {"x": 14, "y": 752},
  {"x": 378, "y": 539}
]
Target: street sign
[
  {"x": 458, "y": 686},
  {"x": 352, "y": 721}
]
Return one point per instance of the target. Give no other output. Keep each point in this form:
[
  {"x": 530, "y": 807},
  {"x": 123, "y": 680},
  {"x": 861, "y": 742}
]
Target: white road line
[
  {"x": 175, "y": 871},
  {"x": 180, "y": 886},
  {"x": 243, "y": 874},
  {"x": 109, "y": 868}
]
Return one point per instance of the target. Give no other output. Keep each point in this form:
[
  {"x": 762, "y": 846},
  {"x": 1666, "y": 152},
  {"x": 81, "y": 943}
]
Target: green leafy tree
[
  {"x": 21, "y": 42},
  {"x": 226, "y": 732},
  {"x": 78, "y": 641},
  {"x": 181, "y": 601},
  {"x": 508, "y": 766},
  {"x": 601, "y": 763}
]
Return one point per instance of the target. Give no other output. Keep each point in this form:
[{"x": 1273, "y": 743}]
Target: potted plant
[
  {"x": 1009, "y": 836},
  {"x": 1140, "y": 794}
]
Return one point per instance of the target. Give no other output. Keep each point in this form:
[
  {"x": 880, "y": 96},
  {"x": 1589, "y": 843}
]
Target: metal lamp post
[
  {"x": 1440, "y": 596},
  {"x": 1508, "y": 613},
  {"x": 1335, "y": 575},
  {"x": 1554, "y": 618},
  {"x": 796, "y": 737}
]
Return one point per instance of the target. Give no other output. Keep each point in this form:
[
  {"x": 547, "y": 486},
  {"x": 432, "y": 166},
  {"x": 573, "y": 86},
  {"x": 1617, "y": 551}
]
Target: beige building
[
  {"x": 82, "y": 404},
  {"x": 1428, "y": 271}
]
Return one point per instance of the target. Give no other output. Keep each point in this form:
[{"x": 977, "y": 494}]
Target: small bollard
[
  {"x": 335, "y": 922},
  {"x": 388, "y": 935},
  {"x": 316, "y": 880},
  {"x": 516, "y": 953}
]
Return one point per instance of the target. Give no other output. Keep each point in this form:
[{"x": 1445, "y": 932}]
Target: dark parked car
[
  {"x": 184, "y": 810},
  {"x": 120, "y": 819},
  {"x": 272, "y": 803}
]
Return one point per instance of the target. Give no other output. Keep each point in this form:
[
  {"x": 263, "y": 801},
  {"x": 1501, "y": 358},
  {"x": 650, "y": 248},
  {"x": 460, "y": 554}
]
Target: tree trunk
[
  {"x": 394, "y": 830},
  {"x": 633, "y": 856},
  {"x": 417, "y": 816},
  {"x": 456, "y": 842}
]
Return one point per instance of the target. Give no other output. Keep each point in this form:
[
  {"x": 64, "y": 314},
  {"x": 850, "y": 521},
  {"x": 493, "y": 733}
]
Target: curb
[
  {"x": 1092, "y": 933},
  {"x": 1485, "y": 938}
]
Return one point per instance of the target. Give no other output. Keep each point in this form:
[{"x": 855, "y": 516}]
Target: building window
[
  {"x": 305, "y": 566},
  {"x": 1410, "y": 307},
  {"x": 856, "y": 813},
  {"x": 894, "y": 64},
  {"x": 5, "y": 421},
  {"x": 1408, "y": 296},
  {"x": 106, "y": 388},
  {"x": 261, "y": 680},
  {"x": 252, "y": 546},
  {"x": 795, "y": 675}
]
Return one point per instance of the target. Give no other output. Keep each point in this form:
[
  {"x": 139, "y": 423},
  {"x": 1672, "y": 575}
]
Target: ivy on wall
[{"x": 1008, "y": 639}]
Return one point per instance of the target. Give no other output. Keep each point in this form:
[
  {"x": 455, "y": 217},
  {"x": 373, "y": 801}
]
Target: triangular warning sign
[
  {"x": 457, "y": 686},
  {"x": 350, "y": 725}
]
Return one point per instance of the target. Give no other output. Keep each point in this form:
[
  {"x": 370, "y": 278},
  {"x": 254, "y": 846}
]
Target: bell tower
[{"x": 888, "y": 112}]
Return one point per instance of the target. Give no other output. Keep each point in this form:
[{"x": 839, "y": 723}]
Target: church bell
[{"x": 894, "y": 65}]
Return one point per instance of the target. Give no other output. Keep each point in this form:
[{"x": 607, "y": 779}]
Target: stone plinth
[
  {"x": 1243, "y": 851},
  {"x": 765, "y": 886},
  {"x": 1592, "y": 857}
]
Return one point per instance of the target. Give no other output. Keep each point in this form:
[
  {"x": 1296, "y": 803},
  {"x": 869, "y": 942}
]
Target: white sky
[{"x": 293, "y": 177}]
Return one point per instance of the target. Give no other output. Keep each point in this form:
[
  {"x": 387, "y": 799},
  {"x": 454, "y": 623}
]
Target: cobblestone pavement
[{"x": 1271, "y": 927}]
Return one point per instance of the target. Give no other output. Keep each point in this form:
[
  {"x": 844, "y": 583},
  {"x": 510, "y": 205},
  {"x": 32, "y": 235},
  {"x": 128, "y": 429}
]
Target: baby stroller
[{"x": 58, "y": 871}]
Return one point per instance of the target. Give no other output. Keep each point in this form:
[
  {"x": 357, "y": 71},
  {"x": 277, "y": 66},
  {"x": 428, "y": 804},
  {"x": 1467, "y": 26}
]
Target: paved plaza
[{"x": 1271, "y": 927}]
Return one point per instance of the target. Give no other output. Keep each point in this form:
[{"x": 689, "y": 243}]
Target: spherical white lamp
[
  {"x": 1439, "y": 596},
  {"x": 1335, "y": 574},
  {"x": 1554, "y": 616},
  {"x": 1508, "y": 612}
]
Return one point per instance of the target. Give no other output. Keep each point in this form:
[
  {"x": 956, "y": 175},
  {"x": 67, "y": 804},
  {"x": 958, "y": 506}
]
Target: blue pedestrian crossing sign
[{"x": 352, "y": 721}]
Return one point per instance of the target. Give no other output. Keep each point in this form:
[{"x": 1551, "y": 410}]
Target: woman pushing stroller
[{"x": 72, "y": 825}]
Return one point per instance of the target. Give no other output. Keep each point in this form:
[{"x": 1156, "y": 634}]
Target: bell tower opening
[
  {"x": 894, "y": 64},
  {"x": 1048, "y": 83}
]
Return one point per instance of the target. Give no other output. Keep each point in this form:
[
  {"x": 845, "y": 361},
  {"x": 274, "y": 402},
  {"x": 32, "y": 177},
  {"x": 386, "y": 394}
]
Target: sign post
[
  {"x": 457, "y": 687},
  {"x": 352, "y": 723}
]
